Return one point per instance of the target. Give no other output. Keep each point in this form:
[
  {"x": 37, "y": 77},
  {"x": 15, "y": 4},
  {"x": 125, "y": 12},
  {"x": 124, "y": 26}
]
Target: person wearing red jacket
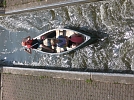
[{"x": 34, "y": 44}]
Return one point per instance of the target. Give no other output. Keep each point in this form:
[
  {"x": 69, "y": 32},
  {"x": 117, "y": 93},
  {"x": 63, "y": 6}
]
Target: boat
[{"x": 55, "y": 33}]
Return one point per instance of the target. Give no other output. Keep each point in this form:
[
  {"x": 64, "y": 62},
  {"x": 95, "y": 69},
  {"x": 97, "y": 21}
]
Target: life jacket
[{"x": 32, "y": 44}]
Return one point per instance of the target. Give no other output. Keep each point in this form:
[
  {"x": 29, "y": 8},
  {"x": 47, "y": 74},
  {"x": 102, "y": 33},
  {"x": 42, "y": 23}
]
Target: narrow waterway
[{"x": 114, "y": 52}]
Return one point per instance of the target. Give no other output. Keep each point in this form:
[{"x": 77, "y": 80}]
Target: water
[{"x": 115, "y": 18}]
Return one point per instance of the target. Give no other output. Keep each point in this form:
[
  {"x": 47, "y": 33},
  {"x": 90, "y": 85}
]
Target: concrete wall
[{"x": 15, "y": 6}]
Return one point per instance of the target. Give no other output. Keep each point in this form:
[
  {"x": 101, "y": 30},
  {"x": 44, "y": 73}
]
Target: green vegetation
[
  {"x": 3, "y": 3},
  {"x": 116, "y": 83},
  {"x": 41, "y": 77},
  {"x": 89, "y": 80},
  {"x": 9, "y": 73}
]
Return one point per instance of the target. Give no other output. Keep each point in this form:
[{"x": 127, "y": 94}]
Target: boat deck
[{"x": 58, "y": 33}]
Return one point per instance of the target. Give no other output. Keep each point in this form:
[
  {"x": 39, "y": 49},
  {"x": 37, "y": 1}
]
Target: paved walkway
[
  {"x": 17, "y": 6},
  {"x": 39, "y": 84}
]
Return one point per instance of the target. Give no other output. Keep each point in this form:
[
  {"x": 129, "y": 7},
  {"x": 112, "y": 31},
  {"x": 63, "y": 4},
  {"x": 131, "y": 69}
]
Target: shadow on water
[
  {"x": 96, "y": 36},
  {"x": 92, "y": 33}
]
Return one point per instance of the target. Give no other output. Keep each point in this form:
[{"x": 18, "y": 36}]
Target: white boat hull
[{"x": 65, "y": 32}]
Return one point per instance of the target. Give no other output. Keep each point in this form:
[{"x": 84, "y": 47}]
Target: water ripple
[{"x": 115, "y": 52}]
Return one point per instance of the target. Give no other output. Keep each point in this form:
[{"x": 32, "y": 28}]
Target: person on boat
[
  {"x": 75, "y": 40},
  {"x": 34, "y": 44},
  {"x": 61, "y": 41},
  {"x": 64, "y": 41}
]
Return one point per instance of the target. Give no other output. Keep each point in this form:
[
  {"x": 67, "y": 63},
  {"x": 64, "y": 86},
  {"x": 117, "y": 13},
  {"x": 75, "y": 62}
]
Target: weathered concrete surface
[
  {"x": 102, "y": 77},
  {"x": 17, "y": 6},
  {"x": 40, "y": 84}
]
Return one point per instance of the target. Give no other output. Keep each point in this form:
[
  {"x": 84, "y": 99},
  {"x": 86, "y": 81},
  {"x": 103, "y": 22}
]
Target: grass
[
  {"x": 116, "y": 83},
  {"x": 9, "y": 73},
  {"x": 42, "y": 77},
  {"x": 4, "y": 3},
  {"x": 89, "y": 80}
]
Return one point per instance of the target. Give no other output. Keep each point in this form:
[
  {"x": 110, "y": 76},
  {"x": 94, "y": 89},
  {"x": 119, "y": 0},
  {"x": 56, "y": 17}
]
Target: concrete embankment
[
  {"x": 15, "y": 6},
  {"x": 41, "y": 84}
]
